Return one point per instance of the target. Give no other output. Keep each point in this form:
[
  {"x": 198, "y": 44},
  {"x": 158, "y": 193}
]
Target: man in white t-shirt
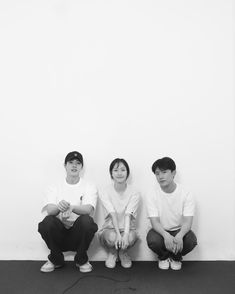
[
  {"x": 170, "y": 209},
  {"x": 69, "y": 225}
]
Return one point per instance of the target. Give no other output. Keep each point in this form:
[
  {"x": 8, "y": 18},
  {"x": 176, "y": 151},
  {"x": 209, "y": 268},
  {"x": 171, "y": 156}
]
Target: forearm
[
  {"x": 82, "y": 209},
  {"x": 186, "y": 226},
  {"x": 168, "y": 238},
  {"x": 52, "y": 209},
  {"x": 156, "y": 225},
  {"x": 127, "y": 222},
  {"x": 115, "y": 222}
]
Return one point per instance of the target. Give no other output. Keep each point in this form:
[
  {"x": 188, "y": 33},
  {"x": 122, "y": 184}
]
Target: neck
[
  {"x": 120, "y": 187},
  {"x": 170, "y": 188},
  {"x": 72, "y": 180}
]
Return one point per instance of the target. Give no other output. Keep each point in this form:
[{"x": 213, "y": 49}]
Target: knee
[
  {"x": 154, "y": 240},
  {"x": 87, "y": 223},
  {"x": 47, "y": 224},
  {"x": 190, "y": 241},
  {"x": 110, "y": 238}
]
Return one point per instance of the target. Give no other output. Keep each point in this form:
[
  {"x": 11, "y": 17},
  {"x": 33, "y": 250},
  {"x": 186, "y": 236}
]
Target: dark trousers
[
  {"x": 156, "y": 243},
  {"x": 59, "y": 239}
]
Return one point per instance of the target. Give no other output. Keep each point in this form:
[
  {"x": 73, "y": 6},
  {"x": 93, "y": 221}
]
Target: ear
[{"x": 174, "y": 173}]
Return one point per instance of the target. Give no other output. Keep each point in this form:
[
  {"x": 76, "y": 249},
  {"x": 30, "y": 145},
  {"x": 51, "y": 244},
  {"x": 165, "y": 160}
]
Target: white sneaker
[
  {"x": 85, "y": 268},
  {"x": 110, "y": 262},
  {"x": 175, "y": 265},
  {"x": 125, "y": 259},
  {"x": 164, "y": 264},
  {"x": 49, "y": 267}
]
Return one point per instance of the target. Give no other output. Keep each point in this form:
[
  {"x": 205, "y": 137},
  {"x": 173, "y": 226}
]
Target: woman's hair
[
  {"x": 117, "y": 161},
  {"x": 164, "y": 164}
]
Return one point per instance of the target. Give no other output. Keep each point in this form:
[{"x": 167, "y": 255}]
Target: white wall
[{"x": 132, "y": 79}]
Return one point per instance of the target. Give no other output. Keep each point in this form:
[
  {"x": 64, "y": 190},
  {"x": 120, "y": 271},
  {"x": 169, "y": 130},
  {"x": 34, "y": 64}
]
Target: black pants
[
  {"x": 156, "y": 244},
  {"x": 59, "y": 239}
]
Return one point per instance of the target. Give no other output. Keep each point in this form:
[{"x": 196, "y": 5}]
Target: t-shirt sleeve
[
  {"x": 105, "y": 201},
  {"x": 90, "y": 196},
  {"x": 151, "y": 204},
  {"x": 189, "y": 205},
  {"x": 133, "y": 204}
]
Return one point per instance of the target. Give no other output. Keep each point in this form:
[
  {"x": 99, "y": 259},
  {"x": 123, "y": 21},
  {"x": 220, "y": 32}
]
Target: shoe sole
[
  {"x": 84, "y": 270},
  {"x": 50, "y": 270},
  {"x": 175, "y": 269},
  {"x": 163, "y": 268},
  {"x": 126, "y": 266},
  {"x": 47, "y": 271}
]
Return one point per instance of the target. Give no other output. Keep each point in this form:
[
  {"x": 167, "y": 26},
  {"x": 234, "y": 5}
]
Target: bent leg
[
  {"x": 53, "y": 233},
  {"x": 156, "y": 243},
  {"x": 125, "y": 259},
  {"x": 133, "y": 237},
  {"x": 108, "y": 238},
  {"x": 80, "y": 237},
  {"x": 190, "y": 241}
]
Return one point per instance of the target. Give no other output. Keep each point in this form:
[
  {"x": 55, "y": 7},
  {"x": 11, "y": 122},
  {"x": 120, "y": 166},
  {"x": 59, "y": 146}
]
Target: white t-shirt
[
  {"x": 81, "y": 193},
  {"x": 122, "y": 204},
  {"x": 170, "y": 207}
]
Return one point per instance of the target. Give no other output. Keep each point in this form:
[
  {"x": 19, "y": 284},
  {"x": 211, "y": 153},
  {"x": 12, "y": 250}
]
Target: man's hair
[
  {"x": 118, "y": 161},
  {"x": 164, "y": 164}
]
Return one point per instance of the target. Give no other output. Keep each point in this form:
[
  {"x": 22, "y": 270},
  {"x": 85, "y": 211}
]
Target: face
[
  {"x": 165, "y": 178},
  {"x": 119, "y": 173},
  {"x": 73, "y": 167}
]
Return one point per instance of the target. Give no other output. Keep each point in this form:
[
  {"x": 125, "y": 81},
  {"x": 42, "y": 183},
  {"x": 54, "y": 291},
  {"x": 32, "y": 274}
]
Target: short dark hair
[
  {"x": 118, "y": 161},
  {"x": 164, "y": 164}
]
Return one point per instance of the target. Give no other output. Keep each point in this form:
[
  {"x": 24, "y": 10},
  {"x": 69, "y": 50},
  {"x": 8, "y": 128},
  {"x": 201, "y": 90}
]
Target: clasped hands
[
  {"x": 65, "y": 208},
  {"x": 122, "y": 241},
  {"x": 174, "y": 243}
]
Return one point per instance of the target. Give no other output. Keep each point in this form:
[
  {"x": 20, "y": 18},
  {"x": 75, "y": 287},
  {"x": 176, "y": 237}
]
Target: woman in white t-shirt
[{"x": 120, "y": 202}]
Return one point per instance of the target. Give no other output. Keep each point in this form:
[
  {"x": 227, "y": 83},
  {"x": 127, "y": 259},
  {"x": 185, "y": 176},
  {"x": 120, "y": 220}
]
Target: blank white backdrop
[{"x": 133, "y": 79}]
